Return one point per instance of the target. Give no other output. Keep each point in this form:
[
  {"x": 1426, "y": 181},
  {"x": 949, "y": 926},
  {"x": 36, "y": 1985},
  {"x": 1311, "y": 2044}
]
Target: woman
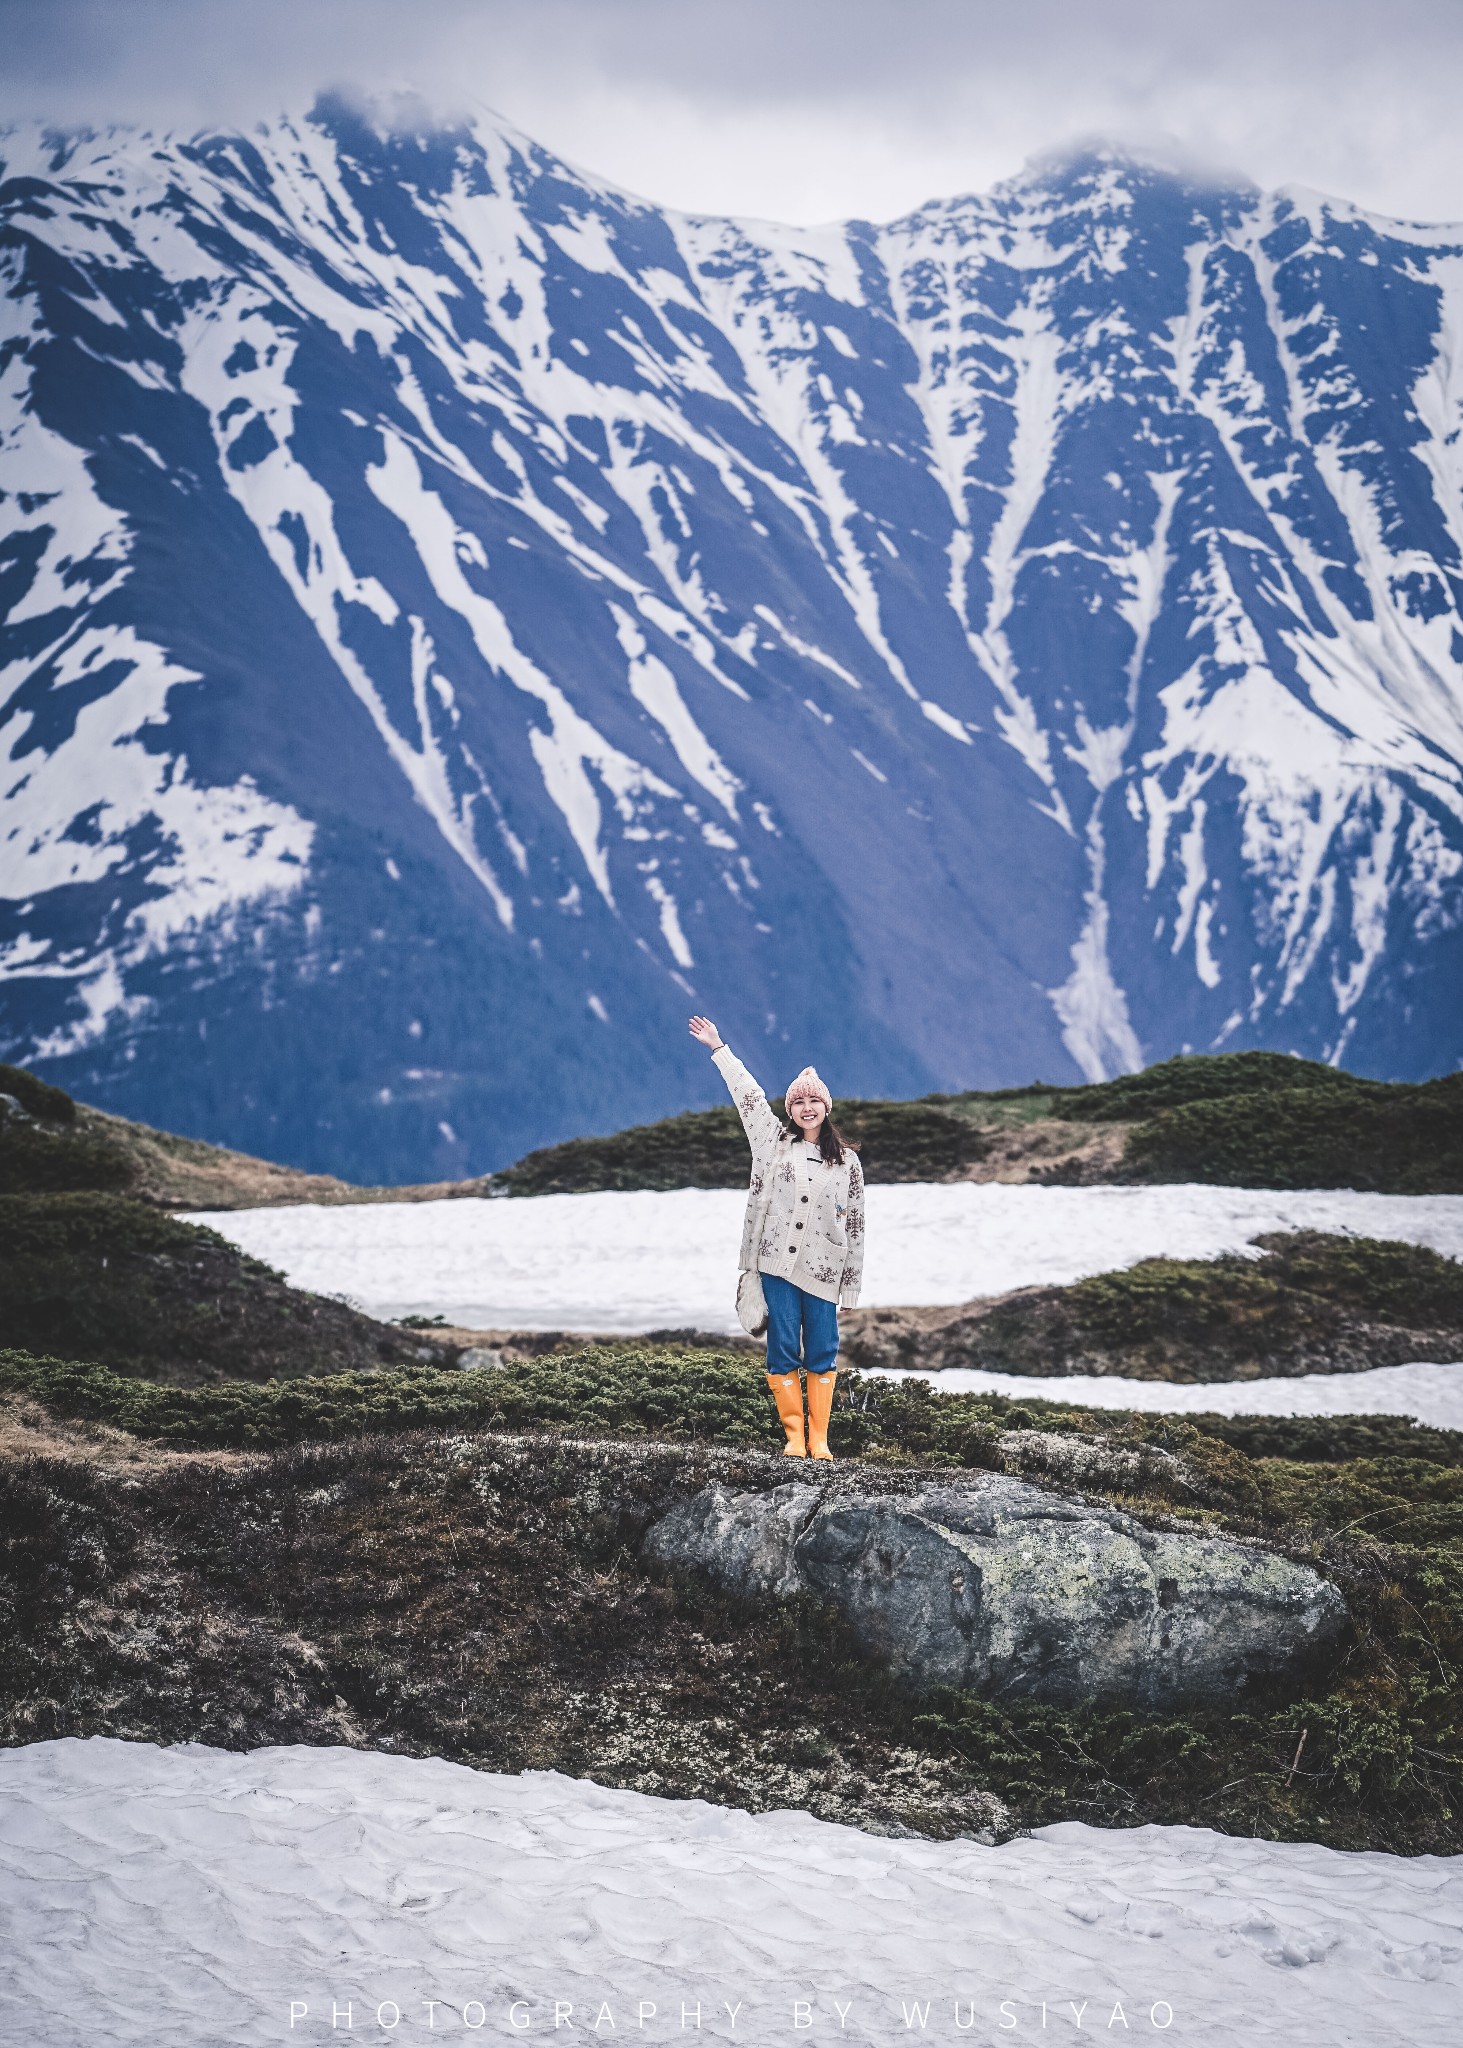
[{"x": 802, "y": 1241}]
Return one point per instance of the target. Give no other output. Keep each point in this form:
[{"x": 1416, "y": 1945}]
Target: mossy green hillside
[
  {"x": 707, "y": 1148},
  {"x": 37, "y": 1098},
  {"x": 475, "y": 1591},
  {"x": 939, "y": 1137},
  {"x": 1249, "y": 1119},
  {"x": 664, "y": 1393},
  {"x": 1394, "y": 1139},
  {"x": 1387, "y": 1281},
  {"x": 1256, "y": 1119},
  {"x": 50, "y": 1143},
  {"x": 1309, "y": 1302},
  {"x": 103, "y": 1278},
  {"x": 1197, "y": 1077},
  {"x": 43, "y": 1147}
]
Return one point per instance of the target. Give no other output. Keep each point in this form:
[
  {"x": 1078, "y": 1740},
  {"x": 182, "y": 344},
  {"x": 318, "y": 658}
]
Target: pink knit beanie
[{"x": 808, "y": 1083}]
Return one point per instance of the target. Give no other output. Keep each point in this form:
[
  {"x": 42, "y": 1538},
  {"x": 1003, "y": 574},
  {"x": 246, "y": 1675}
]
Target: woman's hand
[{"x": 706, "y": 1033}]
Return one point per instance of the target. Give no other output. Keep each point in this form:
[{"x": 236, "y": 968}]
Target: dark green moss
[
  {"x": 1395, "y": 1139},
  {"x": 1333, "y": 1439},
  {"x": 50, "y": 1158},
  {"x": 478, "y": 1597},
  {"x": 897, "y": 1141},
  {"x": 671, "y": 1393},
  {"x": 36, "y": 1097},
  {"x": 1367, "y": 1774},
  {"x": 107, "y": 1279},
  {"x": 1389, "y": 1281},
  {"x": 1251, "y": 1119},
  {"x": 1198, "y": 1299},
  {"x": 1197, "y": 1077}
]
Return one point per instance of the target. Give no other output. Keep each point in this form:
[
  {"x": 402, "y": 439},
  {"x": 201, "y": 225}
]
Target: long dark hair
[{"x": 831, "y": 1141}]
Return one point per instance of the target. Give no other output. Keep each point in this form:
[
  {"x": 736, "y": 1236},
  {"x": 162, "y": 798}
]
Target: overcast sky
[{"x": 808, "y": 110}]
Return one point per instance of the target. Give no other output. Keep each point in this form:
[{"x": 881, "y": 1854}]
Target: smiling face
[{"x": 807, "y": 1113}]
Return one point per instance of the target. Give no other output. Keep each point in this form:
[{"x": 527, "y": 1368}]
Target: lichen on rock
[{"x": 996, "y": 1586}]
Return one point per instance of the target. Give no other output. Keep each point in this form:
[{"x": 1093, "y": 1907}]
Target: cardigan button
[
  {"x": 805, "y": 1198},
  {"x": 797, "y": 1226}
]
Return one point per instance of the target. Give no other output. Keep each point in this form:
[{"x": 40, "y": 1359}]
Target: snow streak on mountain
[{"x": 458, "y": 618}]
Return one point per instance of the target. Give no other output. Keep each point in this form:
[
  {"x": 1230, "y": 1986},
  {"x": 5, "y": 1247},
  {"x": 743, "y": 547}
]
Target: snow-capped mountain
[{"x": 458, "y": 618}]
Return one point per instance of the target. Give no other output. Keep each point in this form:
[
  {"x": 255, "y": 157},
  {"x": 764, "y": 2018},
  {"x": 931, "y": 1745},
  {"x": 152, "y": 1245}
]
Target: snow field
[
  {"x": 1429, "y": 1393},
  {"x": 190, "y": 1896},
  {"x": 628, "y": 1263},
  {"x": 635, "y": 1262}
]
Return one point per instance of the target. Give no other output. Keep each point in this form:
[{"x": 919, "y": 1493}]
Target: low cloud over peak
[{"x": 809, "y": 109}]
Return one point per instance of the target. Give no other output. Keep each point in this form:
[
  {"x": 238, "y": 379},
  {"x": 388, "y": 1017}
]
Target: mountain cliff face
[{"x": 458, "y": 618}]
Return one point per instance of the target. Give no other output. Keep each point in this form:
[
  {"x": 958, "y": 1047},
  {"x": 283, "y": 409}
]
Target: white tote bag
[{"x": 751, "y": 1303}]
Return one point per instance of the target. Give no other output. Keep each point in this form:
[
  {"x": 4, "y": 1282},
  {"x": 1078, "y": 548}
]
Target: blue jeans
[{"x": 799, "y": 1322}]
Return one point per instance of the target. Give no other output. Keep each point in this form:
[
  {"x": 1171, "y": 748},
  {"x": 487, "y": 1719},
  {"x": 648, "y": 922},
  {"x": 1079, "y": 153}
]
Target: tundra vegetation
[
  {"x": 1246, "y": 1119},
  {"x": 447, "y": 1562},
  {"x": 116, "y": 1282},
  {"x": 209, "y": 1530},
  {"x": 99, "y": 1277},
  {"x": 1309, "y": 1302}
]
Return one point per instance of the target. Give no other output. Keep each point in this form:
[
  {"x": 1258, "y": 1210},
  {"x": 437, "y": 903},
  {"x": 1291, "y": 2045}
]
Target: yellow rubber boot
[
  {"x": 788, "y": 1394},
  {"x": 820, "y": 1407}
]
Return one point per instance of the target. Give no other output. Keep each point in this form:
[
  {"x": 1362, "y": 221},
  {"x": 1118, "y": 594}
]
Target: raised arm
[{"x": 758, "y": 1119}]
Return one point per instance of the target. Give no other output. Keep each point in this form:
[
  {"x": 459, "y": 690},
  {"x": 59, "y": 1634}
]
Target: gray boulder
[
  {"x": 481, "y": 1358},
  {"x": 997, "y": 1586}
]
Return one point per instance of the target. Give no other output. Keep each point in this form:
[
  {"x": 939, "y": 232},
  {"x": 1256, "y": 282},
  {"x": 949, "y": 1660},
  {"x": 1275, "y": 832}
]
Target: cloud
[{"x": 807, "y": 109}]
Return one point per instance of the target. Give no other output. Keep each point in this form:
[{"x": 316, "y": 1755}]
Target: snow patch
[
  {"x": 648, "y": 1261},
  {"x": 175, "y": 1896},
  {"x": 110, "y": 809}
]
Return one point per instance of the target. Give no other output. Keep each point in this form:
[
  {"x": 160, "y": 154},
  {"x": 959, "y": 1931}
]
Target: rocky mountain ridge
[{"x": 456, "y": 616}]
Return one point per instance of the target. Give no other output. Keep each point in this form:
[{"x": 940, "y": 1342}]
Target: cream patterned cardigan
[{"x": 805, "y": 1228}]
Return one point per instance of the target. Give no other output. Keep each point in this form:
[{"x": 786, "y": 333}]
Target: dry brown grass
[
  {"x": 186, "y": 1173},
  {"x": 1052, "y": 1151},
  {"x": 28, "y": 1430}
]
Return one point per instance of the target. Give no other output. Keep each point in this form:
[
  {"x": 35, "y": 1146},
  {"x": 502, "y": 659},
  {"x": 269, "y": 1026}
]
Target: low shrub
[
  {"x": 706, "y": 1397},
  {"x": 106, "y": 1279},
  {"x": 1198, "y": 1077},
  {"x": 671, "y": 1394},
  {"x": 52, "y": 1227},
  {"x": 896, "y": 1141},
  {"x": 36, "y": 1097},
  {"x": 1195, "y": 1299},
  {"x": 1387, "y": 1280},
  {"x": 52, "y": 1158},
  {"x": 437, "y": 1595},
  {"x": 1394, "y": 1139}
]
